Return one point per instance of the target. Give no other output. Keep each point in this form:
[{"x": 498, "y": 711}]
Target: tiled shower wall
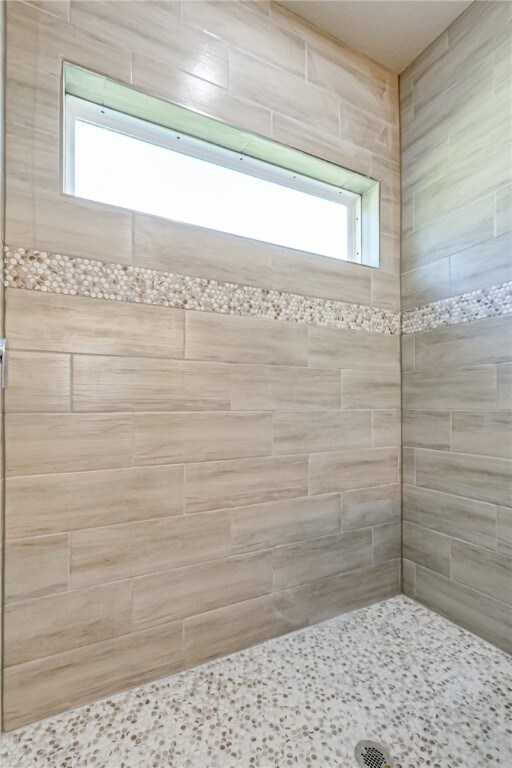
[
  {"x": 457, "y": 379},
  {"x": 181, "y": 484}
]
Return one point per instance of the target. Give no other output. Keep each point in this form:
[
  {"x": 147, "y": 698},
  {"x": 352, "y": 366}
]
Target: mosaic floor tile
[{"x": 394, "y": 672}]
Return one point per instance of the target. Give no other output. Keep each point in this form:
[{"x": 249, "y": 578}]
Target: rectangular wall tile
[
  {"x": 483, "y": 570},
  {"x": 103, "y": 383},
  {"x": 340, "y": 348},
  {"x": 36, "y": 567},
  {"x": 169, "y": 438},
  {"x": 370, "y": 389},
  {"x": 122, "y": 551},
  {"x": 37, "y": 628},
  {"x": 244, "y": 340},
  {"x": 505, "y": 385},
  {"x": 386, "y": 542},
  {"x": 486, "y": 433},
  {"x": 427, "y": 548},
  {"x": 451, "y": 388},
  {"x": 184, "y": 592},
  {"x": 482, "y": 266},
  {"x": 427, "y": 429},
  {"x": 477, "y": 343},
  {"x": 38, "y": 381},
  {"x": 45, "y": 443},
  {"x": 321, "y": 431},
  {"x": 504, "y": 544},
  {"x": 386, "y": 428},
  {"x": 314, "y": 559},
  {"x": 217, "y": 484},
  {"x": 275, "y": 523},
  {"x": 371, "y": 506},
  {"x": 46, "y": 504},
  {"x": 347, "y": 470},
  {"x": 283, "y": 388}
]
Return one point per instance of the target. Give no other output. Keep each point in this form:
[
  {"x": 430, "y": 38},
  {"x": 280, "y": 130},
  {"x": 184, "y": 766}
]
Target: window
[{"x": 209, "y": 175}]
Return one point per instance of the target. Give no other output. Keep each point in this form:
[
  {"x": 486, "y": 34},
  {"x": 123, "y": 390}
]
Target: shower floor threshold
[{"x": 395, "y": 672}]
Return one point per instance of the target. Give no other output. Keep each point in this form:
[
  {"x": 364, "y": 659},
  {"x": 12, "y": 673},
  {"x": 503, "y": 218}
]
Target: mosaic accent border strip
[
  {"x": 36, "y": 270},
  {"x": 475, "y": 305}
]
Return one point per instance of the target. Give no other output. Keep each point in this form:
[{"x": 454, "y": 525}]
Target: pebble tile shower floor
[{"x": 394, "y": 672}]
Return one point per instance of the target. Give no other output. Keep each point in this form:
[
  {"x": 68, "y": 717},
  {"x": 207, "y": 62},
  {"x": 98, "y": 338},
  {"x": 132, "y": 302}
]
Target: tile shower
[{"x": 206, "y": 437}]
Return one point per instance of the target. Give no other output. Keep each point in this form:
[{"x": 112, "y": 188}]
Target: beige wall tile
[
  {"x": 347, "y": 470},
  {"x": 386, "y": 542},
  {"x": 476, "y": 477},
  {"x": 44, "y": 443},
  {"x": 385, "y": 290},
  {"x": 367, "y": 130},
  {"x": 426, "y": 547},
  {"x": 282, "y": 92},
  {"x": 314, "y": 559},
  {"x": 58, "y": 323},
  {"x": 55, "y": 7},
  {"x": 37, "y": 628},
  {"x": 274, "y": 523},
  {"x": 430, "y": 282},
  {"x": 505, "y": 386},
  {"x": 486, "y": 433},
  {"x": 184, "y": 592},
  {"x": 122, "y": 551},
  {"x": 169, "y": 438},
  {"x": 188, "y": 250},
  {"x": 38, "y": 382},
  {"x": 217, "y": 484},
  {"x": 244, "y": 340},
  {"x": 32, "y": 159},
  {"x": 370, "y": 389},
  {"x": 482, "y": 266},
  {"x": 408, "y": 352},
  {"x": 313, "y": 275},
  {"x": 476, "y": 343},
  {"x": 32, "y": 97},
  {"x": 102, "y": 383},
  {"x": 450, "y": 388},
  {"x": 409, "y": 465},
  {"x": 409, "y": 578},
  {"x": 483, "y": 570},
  {"x": 371, "y": 506},
  {"x": 338, "y": 594},
  {"x": 45, "y": 504},
  {"x": 339, "y": 348},
  {"x": 504, "y": 530},
  {"x": 321, "y": 431},
  {"x": 386, "y": 428},
  {"x": 36, "y": 567},
  {"x": 282, "y": 388},
  {"x": 477, "y": 612},
  {"x": 427, "y": 429},
  {"x": 47, "y": 686},
  {"x": 456, "y": 516}
]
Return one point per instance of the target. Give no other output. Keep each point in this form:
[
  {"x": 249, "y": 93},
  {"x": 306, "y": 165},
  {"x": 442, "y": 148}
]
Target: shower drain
[{"x": 370, "y": 754}]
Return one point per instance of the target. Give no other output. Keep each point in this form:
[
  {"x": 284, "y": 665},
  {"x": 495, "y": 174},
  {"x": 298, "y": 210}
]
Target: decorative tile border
[
  {"x": 54, "y": 273},
  {"x": 476, "y": 305}
]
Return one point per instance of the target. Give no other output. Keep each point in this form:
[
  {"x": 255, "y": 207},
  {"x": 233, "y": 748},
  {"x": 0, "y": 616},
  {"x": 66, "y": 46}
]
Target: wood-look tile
[
  {"x": 370, "y": 389},
  {"x": 58, "y": 8},
  {"x": 369, "y": 131},
  {"x": 244, "y": 340},
  {"x": 37, "y": 628},
  {"x": 283, "y": 388},
  {"x": 502, "y": 212},
  {"x": 36, "y": 567},
  {"x": 385, "y": 290},
  {"x": 425, "y": 284},
  {"x": 261, "y": 526},
  {"x": 476, "y": 343},
  {"x": 313, "y": 559},
  {"x": 450, "y": 388},
  {"x": 426, "y": 547},
  {"x": 321, "y": 431},
  {"x": 42, "y": 443},
  {"x": 337, "y": 594},
  {"x": 427, "y": 429},
  {"x": 169, "y": 438},
  {"x": 52, "y": 322},
  {"x": 46, "y": 504},
  {"x": 482, "y": 266},
  {"x": 183, "y": 592},
  {"x": 200, "y": 252},
  {"x": 504, "y": 531},
  {"x": 409, "y": 578},
  {"x": 32, "y": 97},
  {"x": 371, "y": 506},
  {"x": 338, "y": 348},
  {"x": 455, "y": 516},
  {"x": 386, "y": 542},
  {"x": 32, "y": 159},
  {"x": 483, "y": 570},
  {"x": 408, "y": 352},
  {"x": 103, "y": 383},
  {"x": 487, "y": 433},
  {"x": 313, "y": 275},
  {"x": 479, "y": 613},
  {"x": 476, "y": 477},
  {"x": 38, "y": 381},
  {"x": 283, "y": 92},
  {"x": 218, "y": 484},
  {"x": 347, "y": 470},
  {"x": 505, "y": 386},
  {"x": 409, "y": 465},
  {"x": 386, "y": 428},
  {"x": 55, "y": 684},
  {"x": 122, "y": 551}
]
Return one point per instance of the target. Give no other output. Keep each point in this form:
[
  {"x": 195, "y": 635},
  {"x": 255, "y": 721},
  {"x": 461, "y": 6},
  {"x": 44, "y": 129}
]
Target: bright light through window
[{"x": 123, "y": 163}]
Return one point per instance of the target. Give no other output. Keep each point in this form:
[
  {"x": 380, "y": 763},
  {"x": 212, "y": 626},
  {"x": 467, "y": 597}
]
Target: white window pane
[{"x": 121, "y": 170}]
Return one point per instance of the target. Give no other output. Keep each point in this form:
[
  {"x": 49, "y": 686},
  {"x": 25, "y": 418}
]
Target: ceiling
[{"x": 392, "y": 32}]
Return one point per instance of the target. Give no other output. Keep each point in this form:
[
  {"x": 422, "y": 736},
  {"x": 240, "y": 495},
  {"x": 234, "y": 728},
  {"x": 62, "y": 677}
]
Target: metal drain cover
[{"x": 371, "y": 754}]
